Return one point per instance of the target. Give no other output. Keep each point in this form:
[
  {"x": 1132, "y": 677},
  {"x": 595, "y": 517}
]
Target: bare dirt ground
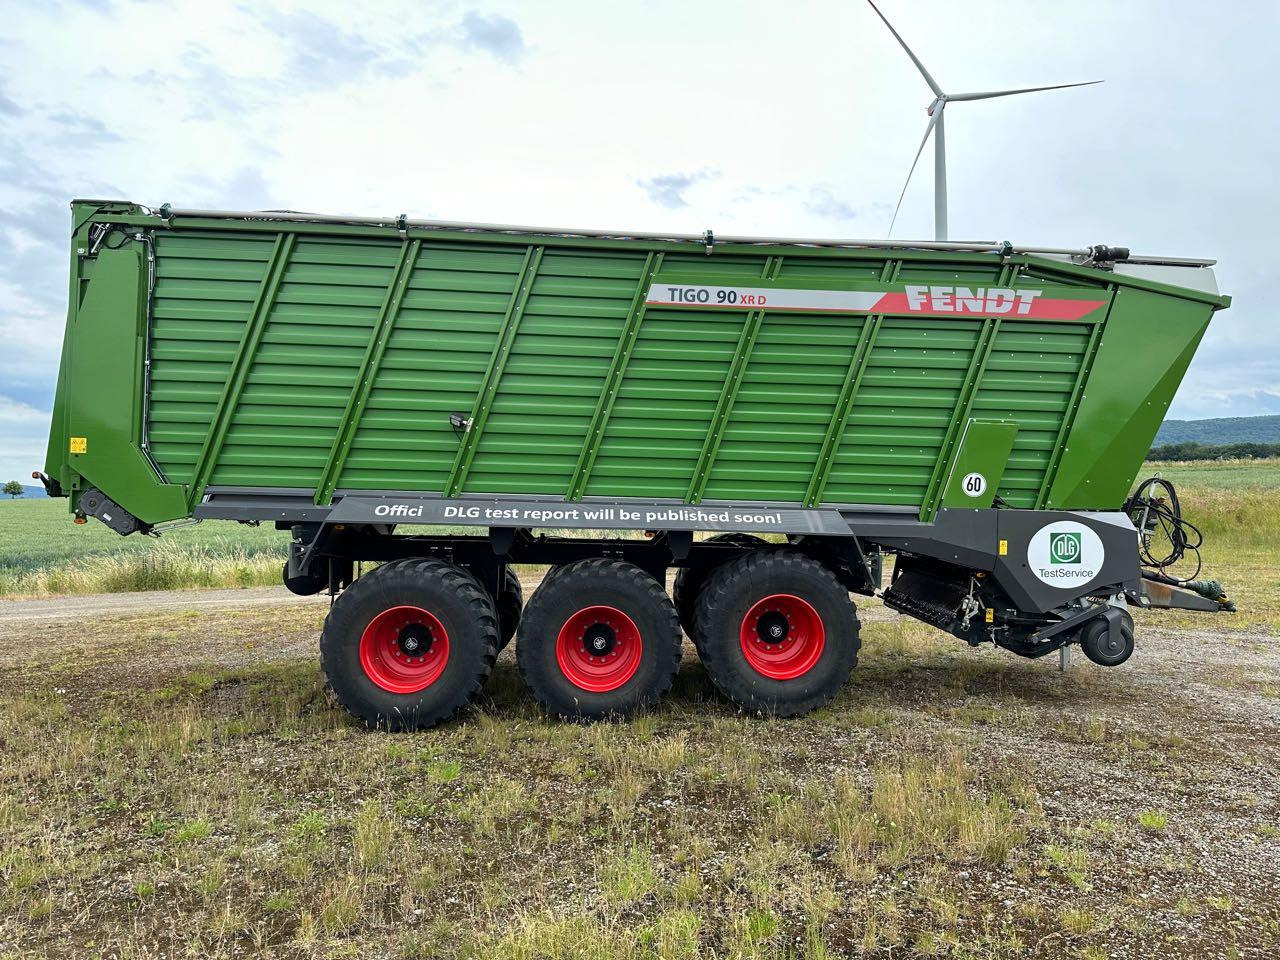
[
  {"x": 17, "y": 614},
  {"x": 175, "y": 784}
]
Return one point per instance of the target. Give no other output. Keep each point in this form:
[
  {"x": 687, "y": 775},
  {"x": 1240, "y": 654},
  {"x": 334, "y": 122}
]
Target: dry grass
[
  {"x": 164, "y": 567},
  {"x": 150, "y": 804},
  {"x": 1241, "y": 529},
  {"x": 178, "y": 785}
]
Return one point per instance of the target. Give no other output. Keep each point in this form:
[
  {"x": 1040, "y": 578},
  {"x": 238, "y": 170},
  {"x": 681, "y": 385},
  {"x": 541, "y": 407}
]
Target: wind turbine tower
[{"x": 936, "y": 110}]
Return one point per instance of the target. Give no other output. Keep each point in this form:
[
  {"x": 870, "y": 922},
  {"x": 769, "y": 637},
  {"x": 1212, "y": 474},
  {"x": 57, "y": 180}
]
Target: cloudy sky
[{"x": 745, "y": 117}]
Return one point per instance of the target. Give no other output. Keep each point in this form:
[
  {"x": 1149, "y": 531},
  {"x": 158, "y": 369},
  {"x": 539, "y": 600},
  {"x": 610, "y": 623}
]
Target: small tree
[{"x": 13, "y": 488}]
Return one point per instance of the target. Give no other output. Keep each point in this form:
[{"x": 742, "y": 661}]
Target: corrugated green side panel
[
  {"x": 906, "y": 402},
  {"x": 312, "y": 346},
  {"x": 786, "y": 400},
  {"x": 670, "y": 390},
  {"x": 552, "y": 380},
  {"x": 204, "y": 293},
  {"x": 434, "y": 363},
  {"x": 908, "y": 396},
  {"x": 665, "y": 404},
  {"x": 1029, "y": 378},
  {"x": 443, "y": 337}
]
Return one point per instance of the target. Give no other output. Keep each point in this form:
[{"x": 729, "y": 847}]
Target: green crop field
[
  {"x": 1218, "y": 474},
  {"x": 43, "y": 553}
]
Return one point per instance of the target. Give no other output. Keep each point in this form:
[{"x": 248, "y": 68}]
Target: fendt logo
[
  {"x": 980, "y": 300},
  {"x": 1064, "y": 548},
  {"x": 944, "y": 300}
]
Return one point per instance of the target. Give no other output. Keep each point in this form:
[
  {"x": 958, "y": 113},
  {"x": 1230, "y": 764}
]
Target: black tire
[
  {"x": 1098, "y": 645},
  {"x": 639, "y": 650},
  {"x": 689, "y": 581},
  {"x": 509, "y": 604},
  {"x": 790, "y": 596},
  {"x": 307, "y": 586},
  {"x": 318, "y": 579},
  {"x": 364, "y": 629}
]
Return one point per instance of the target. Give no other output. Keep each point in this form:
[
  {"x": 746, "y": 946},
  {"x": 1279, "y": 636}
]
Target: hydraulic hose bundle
[{"x": 1164, "y": 537}]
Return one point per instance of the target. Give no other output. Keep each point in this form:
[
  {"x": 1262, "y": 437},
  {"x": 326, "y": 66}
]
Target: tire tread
[
  {"x": 454, "y": 579},
  {"x": 625, "y": 573},
  {"x": 729, "y": 581}
]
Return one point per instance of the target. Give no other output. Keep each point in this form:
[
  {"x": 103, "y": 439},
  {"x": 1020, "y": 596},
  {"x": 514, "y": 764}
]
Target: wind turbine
[{"x": 936, "y": 108}]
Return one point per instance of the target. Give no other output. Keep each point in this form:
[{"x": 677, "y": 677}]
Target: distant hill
[{"x": 1224, "y": 430}]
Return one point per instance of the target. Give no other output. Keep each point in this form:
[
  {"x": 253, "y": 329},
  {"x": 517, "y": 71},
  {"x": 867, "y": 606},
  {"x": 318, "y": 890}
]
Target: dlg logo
[
  {"x": 1064, "y": 548},
  {"x": 1065, "y": 554}
]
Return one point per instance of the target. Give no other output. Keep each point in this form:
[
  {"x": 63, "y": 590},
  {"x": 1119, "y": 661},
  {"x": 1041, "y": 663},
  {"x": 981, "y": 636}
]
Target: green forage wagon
[{"x": 976, "y": 411}]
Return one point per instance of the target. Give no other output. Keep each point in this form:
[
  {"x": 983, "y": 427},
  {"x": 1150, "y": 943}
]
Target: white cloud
[
  {"x": 24, "y": 431},
  {"x": 1246, "y": 402},
  {"x": 30, "y": 341}
]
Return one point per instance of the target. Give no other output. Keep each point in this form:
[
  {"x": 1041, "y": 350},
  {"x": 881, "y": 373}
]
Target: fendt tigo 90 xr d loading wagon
[{"x": 977, "y": 411}]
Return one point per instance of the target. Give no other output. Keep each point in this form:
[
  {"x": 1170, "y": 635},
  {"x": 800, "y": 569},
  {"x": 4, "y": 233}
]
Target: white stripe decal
[
  {"x": 756, "y": 298},
  {"x": 915, "y": 299}
]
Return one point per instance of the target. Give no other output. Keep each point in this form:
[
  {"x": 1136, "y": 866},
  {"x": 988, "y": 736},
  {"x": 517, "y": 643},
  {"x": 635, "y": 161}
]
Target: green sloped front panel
[{"x": 1144, "y": 352}]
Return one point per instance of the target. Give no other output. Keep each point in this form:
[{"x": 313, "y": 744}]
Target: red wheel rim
[
  {"x": 598, "y": 649},
  {"x": 782, "y": 636},
  {"x": 404, "y": 649}
]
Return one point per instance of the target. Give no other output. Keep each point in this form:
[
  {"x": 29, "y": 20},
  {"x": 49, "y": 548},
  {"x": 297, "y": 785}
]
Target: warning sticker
[{"x": 79, "y": 444}]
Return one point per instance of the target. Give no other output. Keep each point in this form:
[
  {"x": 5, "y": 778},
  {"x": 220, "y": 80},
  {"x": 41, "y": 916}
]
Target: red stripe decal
[{"x": 1033, "y": 307}]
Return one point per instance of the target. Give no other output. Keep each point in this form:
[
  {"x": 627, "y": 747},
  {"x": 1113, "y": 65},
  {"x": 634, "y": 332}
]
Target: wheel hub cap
[
  {"x": 415, "y": 640},
  {"x": 772, "y": 627},
  {"x": 599, "y": 640}
]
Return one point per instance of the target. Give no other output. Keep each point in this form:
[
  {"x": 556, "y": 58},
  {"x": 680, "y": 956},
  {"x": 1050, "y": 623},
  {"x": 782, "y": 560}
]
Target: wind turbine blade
[
  {"x": 989, "y": 94},
  {"x": 933, "y": 84},
  {"x": 933, "y": 122}
]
